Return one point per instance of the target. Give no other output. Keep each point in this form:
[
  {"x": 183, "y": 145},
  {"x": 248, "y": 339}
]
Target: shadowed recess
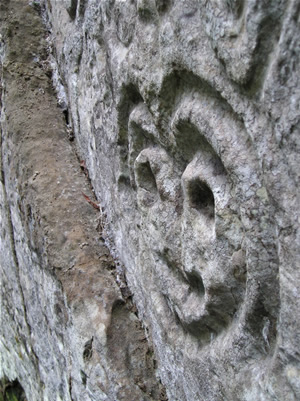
[{"x": 11, "y": 391}]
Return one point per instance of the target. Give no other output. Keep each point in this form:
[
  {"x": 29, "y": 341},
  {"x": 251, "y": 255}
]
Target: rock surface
[
  {"x": 187, "y": 116},
  {"x": 68, "y": 331}
]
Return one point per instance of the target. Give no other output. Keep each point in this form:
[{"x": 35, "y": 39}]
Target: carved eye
[
  {"x": 155, "y": 177},
  {"x": 146, "y": 177},
  {"x": 146, "y": 182},
  {"x": 201, "y": 197}
]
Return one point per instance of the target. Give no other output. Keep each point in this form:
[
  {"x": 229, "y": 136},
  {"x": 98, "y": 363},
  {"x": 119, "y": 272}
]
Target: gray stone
[
  {"x": 187, "y": 116},
  {"x": 68, "y": 331}
]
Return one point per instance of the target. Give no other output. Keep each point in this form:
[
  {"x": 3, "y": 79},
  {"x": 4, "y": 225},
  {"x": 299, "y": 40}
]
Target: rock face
[
  {"x": 186, "y": 114},
  {"x": 68, "y": 331}
]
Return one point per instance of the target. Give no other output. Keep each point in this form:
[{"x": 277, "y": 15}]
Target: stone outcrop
[
  {"x": 185, "y": 115},
  {"x": 68, "y": 330}
]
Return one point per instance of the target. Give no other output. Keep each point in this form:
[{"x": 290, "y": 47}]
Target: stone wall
[{"x": 186, "y": 115}]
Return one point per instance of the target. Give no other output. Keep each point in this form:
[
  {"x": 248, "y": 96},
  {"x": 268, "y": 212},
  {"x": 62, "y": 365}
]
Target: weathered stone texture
[
  {"x": 68, "y": 331},
  {"x": 187, "y": 116}
]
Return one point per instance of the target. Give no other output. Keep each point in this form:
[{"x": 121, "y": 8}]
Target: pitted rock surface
[
  {"x": 187, "y": 116},
  {"x": 67, "y": 332}
]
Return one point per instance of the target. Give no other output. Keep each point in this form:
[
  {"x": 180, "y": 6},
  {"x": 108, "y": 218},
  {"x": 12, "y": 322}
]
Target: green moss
[{"x": 11, "y": 391}]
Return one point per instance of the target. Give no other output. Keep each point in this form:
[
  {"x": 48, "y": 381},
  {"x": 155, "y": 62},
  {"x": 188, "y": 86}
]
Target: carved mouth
[
  {"x": 200, "y": 318},
  {"x": 201, "y": 311}
]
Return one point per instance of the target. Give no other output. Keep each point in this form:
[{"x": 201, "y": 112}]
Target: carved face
[
  {"x": 194, "y": 237},
  {"x": 190, "y": 178}
]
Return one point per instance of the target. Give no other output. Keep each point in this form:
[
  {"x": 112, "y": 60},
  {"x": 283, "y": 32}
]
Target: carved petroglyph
[
  {"x": 187, "y": 184},
  {"x": 187, "y": 120}
]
